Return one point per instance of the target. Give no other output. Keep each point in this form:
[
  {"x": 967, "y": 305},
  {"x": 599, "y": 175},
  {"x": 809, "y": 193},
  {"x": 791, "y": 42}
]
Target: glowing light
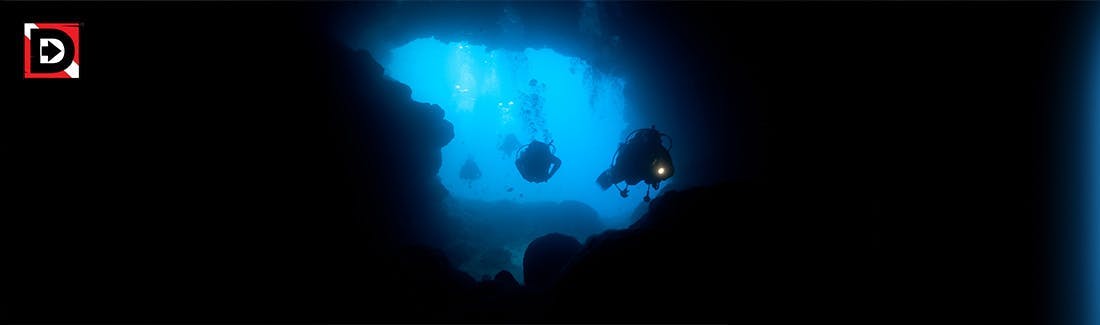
[
  {"x": 661, "y": 171},
  {"x": 511, "y": 103},
  {"x": 458, "y": 87}
]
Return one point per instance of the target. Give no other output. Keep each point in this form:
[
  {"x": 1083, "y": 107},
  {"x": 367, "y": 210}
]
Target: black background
[{"x": 924, "y": 132}]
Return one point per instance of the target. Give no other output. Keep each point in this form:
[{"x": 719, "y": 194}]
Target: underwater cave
[
  {"x": 499, "y": 100},
  {"x": 580, "y": 76},
  {"x": 537, "y": 94}
]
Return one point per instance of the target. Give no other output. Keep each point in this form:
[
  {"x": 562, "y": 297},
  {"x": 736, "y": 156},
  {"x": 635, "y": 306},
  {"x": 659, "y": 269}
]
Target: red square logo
[{"x": 51, "y": 50}]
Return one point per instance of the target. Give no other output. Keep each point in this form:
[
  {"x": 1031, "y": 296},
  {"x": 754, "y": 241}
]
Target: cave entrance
[
  {"x": 491, "y": 95},
  {"x": 534, "y": 94}
]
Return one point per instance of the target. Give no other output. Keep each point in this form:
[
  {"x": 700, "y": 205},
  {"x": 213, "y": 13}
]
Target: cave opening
[{"x": 499, "y": 100}]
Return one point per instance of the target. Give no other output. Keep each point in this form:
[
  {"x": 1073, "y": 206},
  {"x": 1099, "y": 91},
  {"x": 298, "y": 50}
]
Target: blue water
[{"x": 534, "y": 94}]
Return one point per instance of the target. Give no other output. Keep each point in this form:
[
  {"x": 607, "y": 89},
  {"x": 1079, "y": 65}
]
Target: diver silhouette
[
  {"x": 536, "y": 161},
  {"x": 643, "y": 157},
  {"x": 508, "y": 145},
  {"x": 469, "y": 172}
]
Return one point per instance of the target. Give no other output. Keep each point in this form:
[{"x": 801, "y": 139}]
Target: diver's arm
[{"x": 557, "y": 164}]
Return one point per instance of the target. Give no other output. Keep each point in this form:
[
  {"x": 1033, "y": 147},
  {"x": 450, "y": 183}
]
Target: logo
[{"x": 51, "y": 50}]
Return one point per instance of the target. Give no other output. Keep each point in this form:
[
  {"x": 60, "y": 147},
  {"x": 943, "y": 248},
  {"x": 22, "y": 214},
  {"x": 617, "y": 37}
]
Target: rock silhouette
[{"x": 545, "y": 259}]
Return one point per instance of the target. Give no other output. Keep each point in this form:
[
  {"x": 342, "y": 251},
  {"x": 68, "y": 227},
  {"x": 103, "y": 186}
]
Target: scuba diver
[
  {"x": 508, "y": 145},
  {"x": 469, "y": 172},
  {"x": 643, "y": 157},
  {"x": 536, "y": 162}
]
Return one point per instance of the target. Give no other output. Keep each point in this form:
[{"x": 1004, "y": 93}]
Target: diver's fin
[{"x": 604, "y": 180}]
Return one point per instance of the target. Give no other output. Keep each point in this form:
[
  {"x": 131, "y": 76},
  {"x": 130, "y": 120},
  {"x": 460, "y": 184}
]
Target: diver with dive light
[{"x": 643, "y": 157}]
